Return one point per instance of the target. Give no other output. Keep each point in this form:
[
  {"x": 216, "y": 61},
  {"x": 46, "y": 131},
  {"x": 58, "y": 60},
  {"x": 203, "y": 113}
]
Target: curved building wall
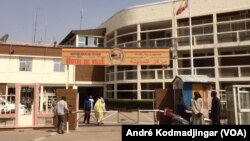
[
  {"x": 164, "y": 11},
  {"x": 221, "y": 44}
]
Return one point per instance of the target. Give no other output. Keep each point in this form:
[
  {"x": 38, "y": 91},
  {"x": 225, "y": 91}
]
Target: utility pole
[
  {"x": 81, "y": 14},
  {"x": 35, "y": 26},
  {"x": 81, "y": 17}
]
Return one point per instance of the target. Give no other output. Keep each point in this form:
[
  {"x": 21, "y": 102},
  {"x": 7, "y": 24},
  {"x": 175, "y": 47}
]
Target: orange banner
[{"x": 115, "y": 56}]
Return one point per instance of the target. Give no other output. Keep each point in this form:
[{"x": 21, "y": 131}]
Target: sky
[{"x": 46, "y": 21}]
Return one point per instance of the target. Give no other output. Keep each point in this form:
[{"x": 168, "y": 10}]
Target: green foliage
[{"x": 129, "y": 104}]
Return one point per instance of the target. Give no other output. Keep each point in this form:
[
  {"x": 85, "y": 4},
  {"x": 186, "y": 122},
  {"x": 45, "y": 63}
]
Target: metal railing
[{"x": 122, "y": 117}]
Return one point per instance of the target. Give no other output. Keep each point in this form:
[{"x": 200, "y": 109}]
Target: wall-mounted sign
[{"x": 115, "y": 56}]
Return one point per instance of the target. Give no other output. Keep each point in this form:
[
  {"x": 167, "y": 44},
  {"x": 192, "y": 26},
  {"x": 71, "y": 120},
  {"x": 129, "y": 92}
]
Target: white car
[{"x": 7, "y": 107}]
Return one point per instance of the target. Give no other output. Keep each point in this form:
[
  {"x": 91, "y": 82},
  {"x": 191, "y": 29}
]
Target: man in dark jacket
[
  {"x": 215, "y": 110},
  {"x": 182, "y": 110}
]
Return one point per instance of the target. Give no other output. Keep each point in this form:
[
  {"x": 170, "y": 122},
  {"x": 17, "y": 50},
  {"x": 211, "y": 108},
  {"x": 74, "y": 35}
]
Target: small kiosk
[{"x": 185, "y": 85}]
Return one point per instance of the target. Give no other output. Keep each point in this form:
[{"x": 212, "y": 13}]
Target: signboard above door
[{"x": 115, "y": 56}]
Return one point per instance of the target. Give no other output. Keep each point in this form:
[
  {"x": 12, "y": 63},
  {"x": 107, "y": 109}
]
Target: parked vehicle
[
  {"x": 7, "y": 107},
  {"x": 176, "y": 119}
]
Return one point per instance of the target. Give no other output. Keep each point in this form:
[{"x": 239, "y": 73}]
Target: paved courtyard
[{"x": 87, "y": 133}]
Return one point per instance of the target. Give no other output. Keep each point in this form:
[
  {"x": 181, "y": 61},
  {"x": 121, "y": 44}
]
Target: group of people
[
  {"x": 61, "y": 108},
  {"x": 99, "y": 109},
  {"x": 197, "y": 109}
]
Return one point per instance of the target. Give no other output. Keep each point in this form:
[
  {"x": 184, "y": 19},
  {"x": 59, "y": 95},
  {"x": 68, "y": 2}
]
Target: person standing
[
  {"x": 87, "y": 110},
  {"x": 100, "y": 109},
  {"x": 61, "y": 109},
  {"x": 92, "y": 101},
  {"x": 197, "y": 109},
  {"x": 182, "y": 109},
  {"x": 215, "y": 109}
]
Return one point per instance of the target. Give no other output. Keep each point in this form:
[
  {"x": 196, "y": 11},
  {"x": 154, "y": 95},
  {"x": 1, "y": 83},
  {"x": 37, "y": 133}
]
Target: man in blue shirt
[{"x": 87, "y": 110}]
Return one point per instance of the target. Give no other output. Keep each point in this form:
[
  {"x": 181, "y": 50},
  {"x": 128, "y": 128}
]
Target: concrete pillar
[
  {"x": 41, "y": 98},
  {"x": 17, "y": 102},
  {"x": 139, "y": 35},
  {"x": 216, "y": 54},
  {"x": 36, "y": 104},
  {"x": 139, "y": 82}
]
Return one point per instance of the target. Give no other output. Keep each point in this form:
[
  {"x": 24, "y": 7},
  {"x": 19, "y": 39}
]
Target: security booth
[
  {"x": 238, "y": 104},
  {"x": 185, "y": 85}
]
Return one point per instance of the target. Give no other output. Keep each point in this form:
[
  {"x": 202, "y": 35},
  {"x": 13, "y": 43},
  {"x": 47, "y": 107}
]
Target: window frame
[
  {"x": 58, "y": 65},
  {"x": 25, "y": 64}
]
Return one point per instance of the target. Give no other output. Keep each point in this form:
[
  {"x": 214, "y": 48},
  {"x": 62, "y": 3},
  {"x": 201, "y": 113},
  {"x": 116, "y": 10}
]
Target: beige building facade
[
  {"x": 220, "y": 50},
  {"x": 220, "y": 45},
  {"x": 220, "y": 36}
]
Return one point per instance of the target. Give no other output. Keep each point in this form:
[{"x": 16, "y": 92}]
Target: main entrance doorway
[{"x": 84, "y": 92}]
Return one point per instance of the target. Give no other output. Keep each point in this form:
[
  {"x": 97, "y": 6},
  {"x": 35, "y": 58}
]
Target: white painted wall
[{"x": 42, "y": 71}]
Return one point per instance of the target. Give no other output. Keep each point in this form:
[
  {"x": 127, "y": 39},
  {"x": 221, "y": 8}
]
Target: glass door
[
  {"x": 26, "y": 110},
  {"x": 244, "y": 106}
]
